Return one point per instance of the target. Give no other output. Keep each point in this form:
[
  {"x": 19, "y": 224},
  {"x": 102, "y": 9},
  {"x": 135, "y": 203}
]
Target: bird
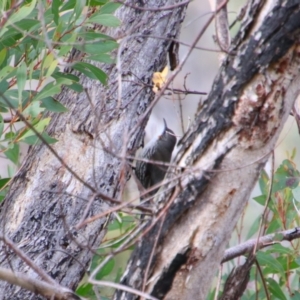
[{"x": 158, "y": 149}]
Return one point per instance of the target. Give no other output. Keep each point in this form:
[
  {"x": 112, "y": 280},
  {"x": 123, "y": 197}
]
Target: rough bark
[
  {"x": 221, "y": 156},
  {"x": 46, "y": 201}
]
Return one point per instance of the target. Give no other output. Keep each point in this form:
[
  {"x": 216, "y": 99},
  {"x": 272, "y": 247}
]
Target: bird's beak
[{"x": 166, "y": 126}]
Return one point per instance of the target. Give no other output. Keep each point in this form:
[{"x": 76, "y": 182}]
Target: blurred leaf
[
  {"x": 97, "y": 2},
  {"x": 269, "y": 261},
  {"x": 68, "y": 5},
  {"x": 9, "y": 136},
  {"x": 7, "y": 70},
  {"x": 109, "y": 8},
  {"x": 3, "y": 182},
  {"x": 13, "y": 153},
  {"x": 275, "y": 289},
  {"x": 1, "y": 125},
  {"x": 105, "y": 20},
  {"x": 274, "y": 226},
  {"x": 103, "y": 57},
  {"x": 296, "y": 295},
  {"x": 260, "y": 199},
  {"x": 53, "y": 105},
  {"x": 28, "y": 24},
  {"x": 72, "y": 77},
  {"x": 254, "y": 228},
  {"x": 55, "y": 10},
  {"x": 33, "y": 139},
  {"x": 21, "y": 79},
  {"x": 51, "y": 68},
  {"x": 296, "y": 193},
  {"x": 264, "y": 182},
  {"x": 297, "y": 260},
  {"x": 3, "y": 54},
  {"x": 49, "y": 90},
  {"x": 39, "y": 127},
  {"x": 77, "y": 87},
  {"x": 294, "y": 152},
  {"x": 79, "y": 6},
  {"x": 106, "y": 270},
  {"x": 92, "y": 37},
  {"x": 286, "y": 176},
  {"x": 20, "y": 14},
  {"x": 64, "y": 49},
  {"x": 278, "y": 248},
  {"x": 98, "y": 47},
  {"x": 91, "y": 71},
  {"x": 33, "y": 110},
  {"x": 85, "y": 290}
]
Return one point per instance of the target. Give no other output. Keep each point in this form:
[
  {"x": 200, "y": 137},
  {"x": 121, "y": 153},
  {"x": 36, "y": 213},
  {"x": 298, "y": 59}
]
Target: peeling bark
[
  {"x": 221, "y": 156},
  {"x": 46, "y": 201}
]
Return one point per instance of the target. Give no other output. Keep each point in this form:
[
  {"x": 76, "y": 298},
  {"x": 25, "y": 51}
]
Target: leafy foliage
[
  {"x": 35, "y": 40},
  {"x": 279, "y": 263}
]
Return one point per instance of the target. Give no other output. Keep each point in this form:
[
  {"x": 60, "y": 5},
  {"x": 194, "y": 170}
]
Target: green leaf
[
  {"x": 79, "y": 6},
  {"x": 106, "y": 270},
  {"x": 264, "y": 182},
  {"x": 91, "y": 71},
  {"x": 55, "y": 10},
  {"x": 274, "y": 226},
  {"x": 109, "y": 8},
  {"x": 63, "y": 81},
  {"x": 72, "y": 77},
  {"x": 3, "y": 87},
  {"x": 296, "y": 295},
  {"x": 68, "y": 45},
  {"x": 9, "y": 136},
  {"x": 278, "y": 248},
  {"x": 53, "y": 105},
  {"x": 269, "y": 261},
  {"x": 3, "y": 182},
  {"x": 20, "y": 14},
  {"x": 49, "y": 90},
  {"x": 286, "y": 176},
  {"x": 260, "y": 199},
  {"x": 275, "y": 289},
  {"x": 105, "y": 20},
  {"x": 13, "y": 153},
  {"x": 28, "y": 24},
  {"x": 97, "y": 2},
  {"x": 3, "y": 54},
  {"x": 7, "y": 70},
  {"x": 21, "y": 79},
  {"x": 99, "y": 47},
  {"x": 85, "y": 290},
  {"x": 1, "y": 125},
  {"x": 39, "y": 127},
  {"x": 94, "y": 36},
  {"x": 296, "y": 193},
  {"x": 33, "y": 139},
  {"x": 76, "y": 87},
  {"x": 33, "y": 110},
  {"x": 68, "y": 5},
  {"x": 103, "y": 57}
]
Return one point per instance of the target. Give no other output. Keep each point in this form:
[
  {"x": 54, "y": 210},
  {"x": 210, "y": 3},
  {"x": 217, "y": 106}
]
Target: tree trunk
[
  {"x": 46, "y": 201},
  {"x": 221, "y": 156}
]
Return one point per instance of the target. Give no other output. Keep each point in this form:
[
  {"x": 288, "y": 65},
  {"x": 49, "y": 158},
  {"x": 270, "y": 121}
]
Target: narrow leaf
[
  {"x": 49, "y": 90},
  {"x": 91, "y": 71},
  {"x": 105, "y": 20},
  {"x": 21, "y": 79},
  {"x": 53, "y": 105}
]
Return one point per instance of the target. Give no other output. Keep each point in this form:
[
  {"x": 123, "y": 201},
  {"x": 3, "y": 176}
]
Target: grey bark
[
  {"x": 46, "y": 201},
  {"x": 221, "y": 156}
]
